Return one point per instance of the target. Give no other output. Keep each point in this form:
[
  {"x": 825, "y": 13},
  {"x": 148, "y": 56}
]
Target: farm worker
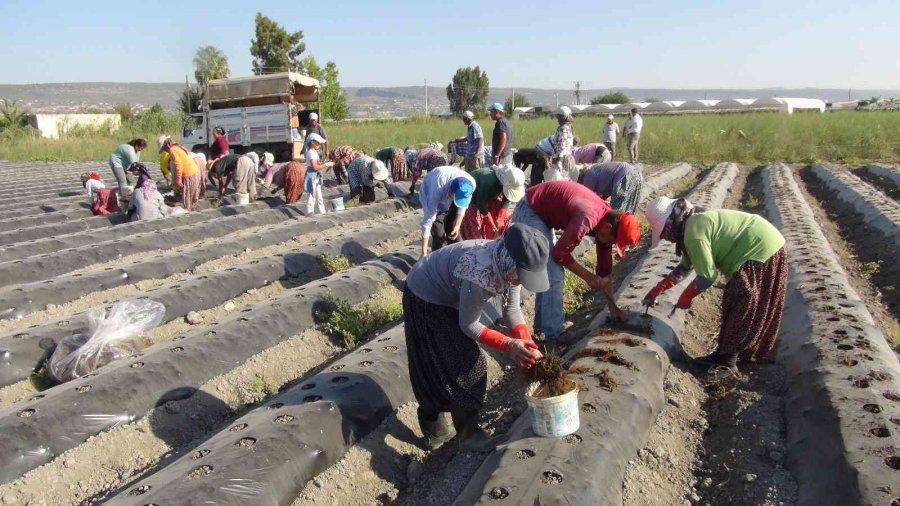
[
  {"x": 290, "y": 176},
  {"x": 610, "y": 135},
  {"x": 342, "y": 156},
  {"x": 312, "y": 182},
  {"x": 122, "y": 158},
  {"x": 474, "y": 142},
  {"x": 395, "y": 160},
  {"x": 620, "y": 183},
  {"x": 165, "y": 161},
  {"x": 316, "y": 128},
  {"x": 445, "y": 195},
  {"x": 579, "y": 213},
  {"x": 497, "y": 189},
  {"x": 245, "y": 174},
  {"x": 365, "y": 173},
  {"x": 443, "y": 299},
  {"x": 561, "y": 162},
  {"x": 91, "y": 182},
  {"x": 187, "y": 175},
  {"x": 221, "y": 171},
  {"x": 146, "y": 202},
  {"x": 749, "y": 251},
  {"x": 591, "y": 153},
  {"x": 633, "y": 127},
  {"x": 502, "y": 137},
  {"x": 426, "y": 159},
  {"x": 219, "y": 146},
  {"x": 457, "y": 149}
]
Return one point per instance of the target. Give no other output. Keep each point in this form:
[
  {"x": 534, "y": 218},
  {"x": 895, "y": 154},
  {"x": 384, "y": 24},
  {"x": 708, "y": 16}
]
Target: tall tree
[
  {"x": 13, "y": 114},
  {"x": 468, "y": 91},
  {"x": 275, "y": 49},
  {"x": 332, "y": 100},
  {"x": 514, "y": 101},
  {"x": 611, "y": 98},
  {"x": 311, "y": 67},
  {"x": 210, "y": 63},
  {"x": 189, "y": 100}
]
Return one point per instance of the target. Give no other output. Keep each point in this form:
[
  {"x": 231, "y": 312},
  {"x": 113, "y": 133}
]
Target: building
[{"x": 55, "y": 126}]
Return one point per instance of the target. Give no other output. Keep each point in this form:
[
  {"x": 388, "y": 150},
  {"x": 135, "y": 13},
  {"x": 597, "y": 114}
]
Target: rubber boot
[
  {"x": 435, "y": 429},
  {"x": 472, "y": 438}
]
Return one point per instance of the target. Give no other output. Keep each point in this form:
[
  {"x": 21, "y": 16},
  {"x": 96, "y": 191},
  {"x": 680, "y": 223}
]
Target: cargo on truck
[{"x": 258, "y": 113}]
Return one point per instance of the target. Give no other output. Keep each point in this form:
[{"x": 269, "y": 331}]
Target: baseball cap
[
  {"x": 379, "y": 171},
  {"x": 610, "y": 117},
  {"x": 313, "y": 116},
  {"x": 462, "y": 190},
  {"x": 469, "y": 115},
  {"x": 629, "y": 233},
  {"x": 496, "y": 106},
  {"x": 530, "y": 250},
  {"x": 513, "y": 181}
]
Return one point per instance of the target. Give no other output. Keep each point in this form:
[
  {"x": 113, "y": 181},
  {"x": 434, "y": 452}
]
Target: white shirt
[
  {"x": 311, "y": 154},
  {"x": 610, "y": 131},
  {"x": 634, "y": 125},
  {"x": 91, "y": 187}
]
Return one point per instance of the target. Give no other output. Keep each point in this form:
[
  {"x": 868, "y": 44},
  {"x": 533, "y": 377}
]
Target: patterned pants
[
  {"x": 627, "y": 194},
  {"x": 294, "y": 174},
  {"x": 190, "y": 190}
]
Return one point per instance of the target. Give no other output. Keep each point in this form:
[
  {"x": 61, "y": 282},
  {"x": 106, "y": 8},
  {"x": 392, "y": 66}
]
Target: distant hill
[{"x": 370, "y": 101}]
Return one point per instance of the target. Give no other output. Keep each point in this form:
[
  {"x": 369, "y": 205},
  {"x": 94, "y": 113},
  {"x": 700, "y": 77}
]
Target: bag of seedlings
[{"x": 113, "y": 333}]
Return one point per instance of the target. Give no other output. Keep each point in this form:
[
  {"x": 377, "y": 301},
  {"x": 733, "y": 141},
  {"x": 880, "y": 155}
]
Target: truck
[{"x": 258, "y": 113}]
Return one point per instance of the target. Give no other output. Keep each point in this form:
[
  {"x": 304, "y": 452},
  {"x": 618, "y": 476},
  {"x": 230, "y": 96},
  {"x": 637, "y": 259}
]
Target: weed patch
[
  {"x": 351, "y": 324},
  {"x": 334, "y": 263}
]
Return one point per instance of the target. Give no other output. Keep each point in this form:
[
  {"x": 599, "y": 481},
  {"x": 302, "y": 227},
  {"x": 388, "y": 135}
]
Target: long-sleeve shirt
[
  {"x": 164, "y": 161},
  {"x": 142, "y": 208},
  {"x": 124, "y": 156},
  {"x": 219, "y": 148},
  {"x": 184, "y": 164},
  {"x": 487, "y": 188},
  {"x": 359, "y": 172},
  {"x": 634, "y": 125},
  {"x": 586, "y": 153},
  {"x": 275, "y": 174},
  {"x": 91, "y": 186},
  {"x": 226, "y": 165},
  {"x": 577, "y": 211},
  {"x": 435, "y": 194},
  {"x": 564, "y": 140},
  {"x": 603, "y": 177},
  {"x": 722, "y": 240},
  {"x": 610, "y": 131},
  {"x": 432, "y": 280}
]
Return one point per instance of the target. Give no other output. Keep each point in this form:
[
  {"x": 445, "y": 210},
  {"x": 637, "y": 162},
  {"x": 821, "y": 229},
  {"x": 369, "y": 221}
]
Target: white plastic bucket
[
  {"x": 337, "y": 203},
  {"x": 241, "y": 199},
  {"x": 553, "y": 416}
]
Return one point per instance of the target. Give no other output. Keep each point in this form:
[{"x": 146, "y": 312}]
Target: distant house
[{"x": 54, "y": 126}]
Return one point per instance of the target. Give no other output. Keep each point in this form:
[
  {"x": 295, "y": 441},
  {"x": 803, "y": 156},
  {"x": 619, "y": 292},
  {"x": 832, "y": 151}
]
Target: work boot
[
  {"x": 471, "y": 437},
  {"x": 435, "y": 429}
]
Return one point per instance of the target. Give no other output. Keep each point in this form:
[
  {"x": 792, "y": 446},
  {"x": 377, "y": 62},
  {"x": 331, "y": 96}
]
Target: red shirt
[
  {"x": 576, "y": 210},
  {"x": 219, "y": 148}
]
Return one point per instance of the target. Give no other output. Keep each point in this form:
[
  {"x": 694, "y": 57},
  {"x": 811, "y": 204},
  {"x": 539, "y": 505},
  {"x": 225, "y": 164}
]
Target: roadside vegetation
[{"x": 351, "y": 324}]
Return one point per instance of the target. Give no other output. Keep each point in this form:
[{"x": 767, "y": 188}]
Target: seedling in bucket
[{"x": 553, "y": 398}]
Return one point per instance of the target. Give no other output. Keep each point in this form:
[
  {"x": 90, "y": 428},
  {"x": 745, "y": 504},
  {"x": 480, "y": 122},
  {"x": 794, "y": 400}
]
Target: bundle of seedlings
[{"x": 552, "y": 376}]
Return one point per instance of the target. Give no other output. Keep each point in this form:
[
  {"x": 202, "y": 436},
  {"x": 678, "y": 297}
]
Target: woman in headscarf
[
  {"x": 146, "y": 201},
  {"x": 365, "y": 173},
  {"x": 561, "y": 162},
  {"x": 288, "y": 175},
  {"x": 749, "y": 251},
  {"x": 312, "y": 181},
  {"x": 444, "y": 296},
  {"x": 91, "y": 183},
  {"x": 620, "y": 183},
  {"x": 122, "y": 158},
  {"x": 220, "y": 145},
  {"x": 395, "y": 160},
  {"x": 245, "y": 174},
  {"x": 426, "y": 159},
  {"x": 592, "y": 153},
  {"x": 496, "y": 191},
  {"x": 342, "y": 156},
  {"x": 187, "y": 175}
]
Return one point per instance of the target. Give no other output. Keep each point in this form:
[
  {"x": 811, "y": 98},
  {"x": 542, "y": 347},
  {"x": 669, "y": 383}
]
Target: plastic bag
[{"x": 112, "y": 334}]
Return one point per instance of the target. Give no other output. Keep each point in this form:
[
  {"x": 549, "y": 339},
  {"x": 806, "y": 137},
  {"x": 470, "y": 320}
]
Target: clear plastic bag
[{"x": 112, "y": 334}]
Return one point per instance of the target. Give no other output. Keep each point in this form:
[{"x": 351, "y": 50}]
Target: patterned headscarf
[
  {"x": 488, "y": 265},
  {"x": 675, "y": 224},
  {"x": 144, "y": 182}
]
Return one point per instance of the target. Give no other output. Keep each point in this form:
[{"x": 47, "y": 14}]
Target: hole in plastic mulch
[
  {"x": 880, "y": 432},
  {"x": 893, "y": 462},
  {"x": 83, "y": 389},
  {"x": 240, "y": 426},
  {"x": 199, "y": 454},
  {"x": 338, "y": 367},
  {"x": 246, "y": 442},
  {"x": 845, "y": 347},
  {"x": 872, "y": 408},
  {"x": 308, "y": 386},
  {"x": 277, "y": 405},
  {"x": 137, "y": 365},
  {"x": 366, "y": 350},
  {"x": 203, "y": 470},
  {"x": 340, "y": 379},
  {"x": 891, "y": 396},
  {"x": 525, "y": 454},
  {"x": 365, "y": 363},
  {"x": 552, "y": 477},
  {"x": 312, "y": 398},
  {"x": 139, "y": 490},
  {"x": 861, "y": 383},
  {"x": 176, "y": 349},
  {"x": 573, "y": 439},
  {"x": 499, "y": 493},
  {"x": 390, "y": 348},
  {"x": 284, "y": 419},
  {"x": 25, "y": 413}
]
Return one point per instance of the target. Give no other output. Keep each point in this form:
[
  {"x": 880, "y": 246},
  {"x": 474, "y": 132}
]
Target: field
[
  {"x": 278, "y": 373},
  {"x": 841, "y": 136}
]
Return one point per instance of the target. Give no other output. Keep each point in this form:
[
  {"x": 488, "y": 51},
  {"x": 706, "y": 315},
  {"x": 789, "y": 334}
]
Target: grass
[
  {"x": 869, "y": 269},
  {"x": 334, "y": 263},
  {"x": 840, "y": 136},
  {"x": 351, "y": 324}
]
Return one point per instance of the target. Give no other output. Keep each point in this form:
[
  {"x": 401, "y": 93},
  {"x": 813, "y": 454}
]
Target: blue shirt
[
  {"x": 502, "y": 126},
  {"x": 473, "y": 133},
  {"x": 434, "y": 194}
]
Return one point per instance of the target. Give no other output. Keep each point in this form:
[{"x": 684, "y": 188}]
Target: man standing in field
[
  {"x": 474, "y": 142},
  {"x": 315, "y": 128},
  {"x": 633, "y": 128},
  {"x": 611, "y": 135},
  {"x": 502, "y": 139}
]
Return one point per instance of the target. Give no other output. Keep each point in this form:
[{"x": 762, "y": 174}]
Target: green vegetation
[
  {"x": 576, "y": 293},
  {"x": 332, "y": 101},
  {"x": 353, "y": 324},
  {"x": 869, "y": 269},
  {"x": 611, "y": 98},
  {"x": 210, "y": 63},
  {"x": 275, "y": 49},
  {"x": 468, "y": 91},
  {"x": 334, "y": 263},
  {"x": 516, "y": 100}
]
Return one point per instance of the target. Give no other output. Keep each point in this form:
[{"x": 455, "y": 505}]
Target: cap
[
  {"x": 268, "y": 158},
  {"x": 496, "y": 106},
  {"x": 658, "y": 211},
  {"x": 462, "y": 190},
  {"x": 315, "y": 137},
  {"x": 469, "y": 115},
  {"x": 513, "y": 181},
  {"x": 313, "y": 116},
  {"x": 610, "y": 117},
  {"x": 379, "y": 171},
  {"x": 530, "y": 249},
  {"x": 161, "y": 141},
  {"x": 629, "y": 233},
  {"x": 564, "y": 111}
]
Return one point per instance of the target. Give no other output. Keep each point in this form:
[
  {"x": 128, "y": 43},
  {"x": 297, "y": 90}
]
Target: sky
[{"x": 526, "y": 43}]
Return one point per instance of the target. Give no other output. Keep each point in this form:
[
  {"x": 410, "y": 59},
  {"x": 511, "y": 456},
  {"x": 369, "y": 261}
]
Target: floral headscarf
[
  {"x": 675, "y": 224},
  {"x": 487, "y": 265},
  {"x": 144, "y": 182}
]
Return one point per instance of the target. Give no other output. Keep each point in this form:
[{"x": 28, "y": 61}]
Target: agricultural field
[{"x": 278, "y": 374}]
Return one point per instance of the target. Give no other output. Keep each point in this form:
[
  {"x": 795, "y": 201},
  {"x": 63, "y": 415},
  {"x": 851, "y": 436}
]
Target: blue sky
[{"x": 528, "y": 43}]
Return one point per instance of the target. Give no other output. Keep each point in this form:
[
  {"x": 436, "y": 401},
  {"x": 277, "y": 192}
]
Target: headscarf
[
  {"x": 677, "y": 220},
  {"x": 144, "y": 182},
  {"x": 488, "y": 265}
]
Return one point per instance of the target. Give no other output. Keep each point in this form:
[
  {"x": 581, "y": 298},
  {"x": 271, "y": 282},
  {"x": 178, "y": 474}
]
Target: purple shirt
[
  {"x": 603, "y": 177},
  {"x": 586, "y": 153}
]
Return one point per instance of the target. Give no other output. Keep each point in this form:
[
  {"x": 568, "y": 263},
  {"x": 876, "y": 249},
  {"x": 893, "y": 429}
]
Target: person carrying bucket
[{"x": 443, "y": 299}]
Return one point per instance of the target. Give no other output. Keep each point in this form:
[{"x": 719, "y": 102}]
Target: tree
[
  {"x": 12, "y": 114},
  {"x": 311, "y": 67},
  {"x": 275, "y": 49},
  {"x": 514, "y": 101},
  {"x": 332, "y": 100},
  {"x": 210, "y": 63},
  {"x": 189, "y": 100},
  {"x": 468, "y": 91},
  {"x": 611, "y": 98},
  {"x": 125, "y": 111},
  {"x": 651, "y": 100}
]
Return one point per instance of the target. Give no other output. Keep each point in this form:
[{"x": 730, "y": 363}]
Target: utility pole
[
  {"x": 426, "y": 98},
  {"x": 557, "y": 100},
  {"x": 577, "y": 92},
  {"x": 513, "y": 101}
]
